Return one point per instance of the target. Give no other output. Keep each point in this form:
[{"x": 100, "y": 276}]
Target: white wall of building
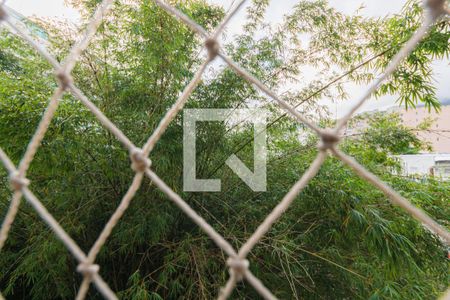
[{"x": 437, "y": 165}]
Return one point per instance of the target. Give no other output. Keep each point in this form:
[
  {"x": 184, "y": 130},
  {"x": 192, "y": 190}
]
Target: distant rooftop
[{"x": 33, "y": 28}]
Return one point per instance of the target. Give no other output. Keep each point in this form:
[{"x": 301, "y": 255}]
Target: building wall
[
  {"x": 439, "y": 134},
  {"x": 436, "y": 165},
  {"x": 417, "y": 164}
]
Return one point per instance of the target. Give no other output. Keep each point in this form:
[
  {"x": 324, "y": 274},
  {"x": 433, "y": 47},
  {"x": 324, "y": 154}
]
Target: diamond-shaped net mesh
[{"x": 237, "y": 262}]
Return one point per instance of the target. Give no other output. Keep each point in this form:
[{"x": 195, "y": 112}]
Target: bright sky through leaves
[{"x": 370, "y": 8}]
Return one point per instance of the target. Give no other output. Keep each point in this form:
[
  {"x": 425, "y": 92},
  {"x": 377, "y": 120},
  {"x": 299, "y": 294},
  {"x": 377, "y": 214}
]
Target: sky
[{"x": 57, "y": 9}]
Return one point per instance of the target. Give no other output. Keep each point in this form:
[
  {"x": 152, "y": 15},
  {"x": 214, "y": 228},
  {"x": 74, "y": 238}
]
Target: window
[{"x": 443, "y": 163}]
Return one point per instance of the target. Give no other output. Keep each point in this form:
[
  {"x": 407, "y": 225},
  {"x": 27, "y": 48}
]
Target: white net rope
[{"x": 237, "y": 262}]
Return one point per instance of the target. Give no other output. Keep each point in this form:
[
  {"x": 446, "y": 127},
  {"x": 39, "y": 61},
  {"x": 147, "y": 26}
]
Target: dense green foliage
[{"x": 341, "y": 238}]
